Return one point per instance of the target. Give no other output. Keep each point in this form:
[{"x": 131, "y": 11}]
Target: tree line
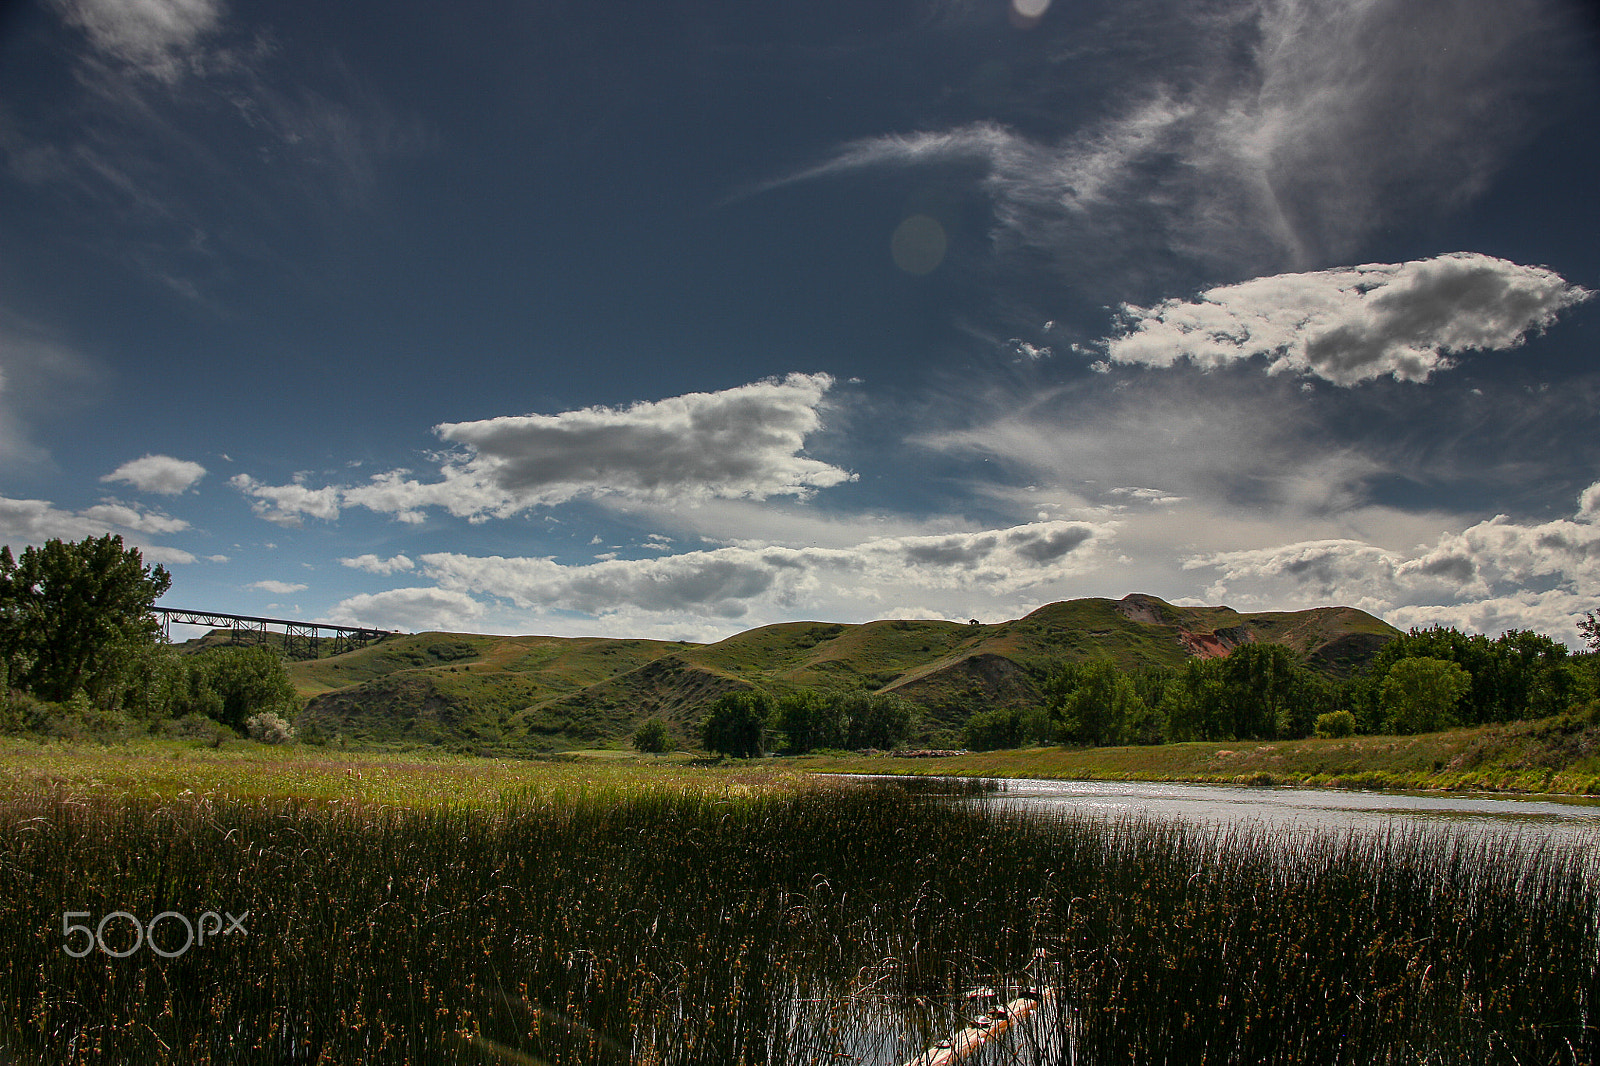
[
  {"x": 1426, "y": 680},
  {"x": 81, "y": 651},
  {"x": 751, "y": 722}
]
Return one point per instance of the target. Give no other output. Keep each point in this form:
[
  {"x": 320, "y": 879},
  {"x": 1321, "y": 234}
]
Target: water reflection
[{"x": 1303, "y": 808}]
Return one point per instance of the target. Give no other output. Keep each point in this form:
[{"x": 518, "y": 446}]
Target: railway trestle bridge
[{"x": 299, "y": 640}]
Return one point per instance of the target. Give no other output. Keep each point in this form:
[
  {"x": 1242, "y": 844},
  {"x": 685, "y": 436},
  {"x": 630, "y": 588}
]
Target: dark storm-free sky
[{"x": 673, "y": 319}]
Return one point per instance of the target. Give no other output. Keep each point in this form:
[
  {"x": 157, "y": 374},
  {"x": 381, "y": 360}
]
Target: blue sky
[{"x": 670, "y": 322}]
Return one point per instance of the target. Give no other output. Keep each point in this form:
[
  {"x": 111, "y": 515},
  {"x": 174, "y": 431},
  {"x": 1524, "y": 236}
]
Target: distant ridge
[{"x": 519, "y": 695}]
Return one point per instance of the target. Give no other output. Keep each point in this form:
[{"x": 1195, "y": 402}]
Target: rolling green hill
[{"x": 520, "y": 695}]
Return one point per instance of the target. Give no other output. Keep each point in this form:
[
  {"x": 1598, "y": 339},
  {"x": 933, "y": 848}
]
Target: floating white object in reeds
[{"x": 986, "y": 1028}]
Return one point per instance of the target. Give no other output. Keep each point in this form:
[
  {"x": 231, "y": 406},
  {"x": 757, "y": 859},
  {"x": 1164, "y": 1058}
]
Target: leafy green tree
[
  {"x": 652, "y": 737},
  {"x": 1419, "y": 694},
  {"x": 71, "y": 613},
  {"x": 1533, "y": 676},
  {"x": 1472, "y": 652},
  {"x": 1093, "y": 702},
  {"x": 807, "y": 720},
  {"x": 1258, "y": 691},
  {"x": 875, "y": 719},
  {"x": 1519, "y": 674},
  {"x": 999, "y": 727},
  {"x": 1268, "y": 693},
  {"x": 1583, "y": 672},
  {"x": 237, "y": 683},
  {"x": 155, "y": 682},
  {"x": 1038, "y": 728},
  {"x": 1589, "y": 629},
  {"x": 1145, "y": 723},
  {"x": 1193, "y": 702},
  {"x": 736, "y": 724}
]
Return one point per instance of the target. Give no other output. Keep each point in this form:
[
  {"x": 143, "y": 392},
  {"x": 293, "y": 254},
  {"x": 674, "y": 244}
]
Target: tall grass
[{"x": 832, "y": 926}]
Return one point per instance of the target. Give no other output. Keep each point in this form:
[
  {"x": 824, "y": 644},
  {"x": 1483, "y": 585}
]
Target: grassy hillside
[
  {"x": 498, "y": 694},
  {"x": 519, "y": 695}
]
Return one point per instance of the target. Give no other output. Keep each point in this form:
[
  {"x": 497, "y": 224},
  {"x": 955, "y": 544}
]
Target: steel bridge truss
[{"x": 300, "y": 640}]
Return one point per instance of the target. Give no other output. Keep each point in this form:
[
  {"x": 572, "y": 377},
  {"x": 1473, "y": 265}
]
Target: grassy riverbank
[
  {"x": 1555, "y": 755},
  {"x": 178, "y": 771}
]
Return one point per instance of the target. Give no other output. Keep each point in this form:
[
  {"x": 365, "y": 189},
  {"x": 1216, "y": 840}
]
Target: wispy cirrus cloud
[
  {"x": 158, "y": 38},
  {"x": 1402, "y": 320},
  {"x": 739, "y": 443},
  {"x": 180, "y": 113},
  {"x": 41, "y": 372},
  {"x": 1228, "y": 440},
  {"x": 1268, "y": 134}
]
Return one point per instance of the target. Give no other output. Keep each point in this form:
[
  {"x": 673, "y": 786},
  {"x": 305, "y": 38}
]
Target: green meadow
[{"x": 408, "y": 910}]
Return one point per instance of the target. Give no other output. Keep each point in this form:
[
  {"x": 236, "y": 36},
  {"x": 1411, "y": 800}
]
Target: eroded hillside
[{"x": 527, "y": 694}]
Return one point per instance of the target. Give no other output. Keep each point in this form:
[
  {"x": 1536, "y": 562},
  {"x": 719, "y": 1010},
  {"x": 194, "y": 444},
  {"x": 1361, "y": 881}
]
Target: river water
[
  {"x": 1542, "y": 818},
  {"x": 1309, "y": 808}
]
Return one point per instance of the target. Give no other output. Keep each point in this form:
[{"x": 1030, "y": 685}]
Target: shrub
[
  {"x": 269, "y": 728},
  {"x": 197, "y": 727},
  {"x": 19, "y": 712},
  {"x": 992, "y": 729},
  {"x": 652, "y": 737},
  {"x": 1335, "y": 724},
  {"x": 79, "y": 719}
]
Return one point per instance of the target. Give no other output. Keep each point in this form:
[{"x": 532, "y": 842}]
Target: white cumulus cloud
[
  {"x": 732, "y": 582},
  {"x": 739, "y": 443},
  {"x": 1353, "y": 324},
  {"x": 24, "y": 522},
  {"x": 158, "y": 473},
  {"x": 285, "y": 504},
  {"x": 113, "y": 515},
  {"x": 413, "y": 609},
  {"x": 1490, "y": 576},
  {"x": 278, "y": 588},
  {"x": 372, "y": 564}
]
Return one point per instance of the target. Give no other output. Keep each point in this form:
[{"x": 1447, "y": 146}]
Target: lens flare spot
[
  {"x": 1030, "y": 9},
  {"x": 918, "y": 244}
]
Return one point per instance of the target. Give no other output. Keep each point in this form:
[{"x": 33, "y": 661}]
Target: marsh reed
[{"x": 833, "y": 925}]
